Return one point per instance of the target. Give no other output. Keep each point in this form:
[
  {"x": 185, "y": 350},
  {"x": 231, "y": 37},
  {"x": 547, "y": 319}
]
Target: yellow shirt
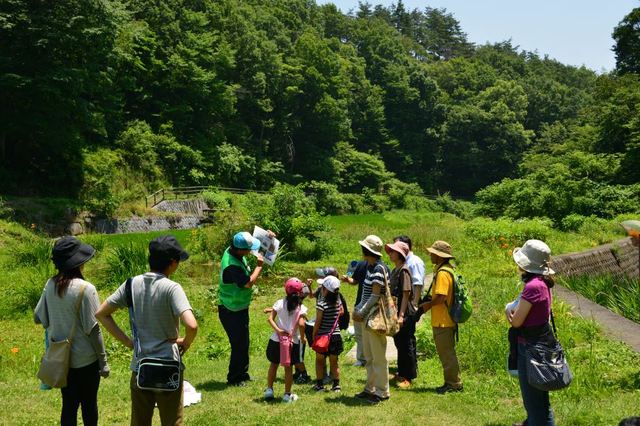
[{"x": 443, "y": 286}]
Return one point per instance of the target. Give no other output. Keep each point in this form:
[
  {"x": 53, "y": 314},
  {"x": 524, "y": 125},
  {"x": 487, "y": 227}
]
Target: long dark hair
[
  {"x": 63, "y": 279},
  {"x": 332, "y": 297},
  {"x": 293, "y": 301},
  {"x": 548, "y": 280}
]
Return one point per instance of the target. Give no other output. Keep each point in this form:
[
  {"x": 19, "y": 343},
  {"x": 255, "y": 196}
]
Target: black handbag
[
  {"x": 547, "y": 367},
  {"x": 155, "y": 374}
]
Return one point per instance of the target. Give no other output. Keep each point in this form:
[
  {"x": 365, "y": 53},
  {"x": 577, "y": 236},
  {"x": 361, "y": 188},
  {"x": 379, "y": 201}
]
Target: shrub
[
  {"x": 326, "y": 197},
  {"x": 98, "y": 193},
  {"x": 399, "y": 193},
  {"x": 126, "y": 261},
  {"x": 506, "y": 232},
  {"x": 462, "y": 209},
  {"x": 216, "y": 199}
]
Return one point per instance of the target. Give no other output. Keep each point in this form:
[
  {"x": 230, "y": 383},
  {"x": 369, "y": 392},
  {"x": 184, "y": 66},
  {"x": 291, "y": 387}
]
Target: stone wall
[
  {"x": 619, "y": 258},
  {"x": 145, "y": 224},
  {"x": 189, "y": 207}
]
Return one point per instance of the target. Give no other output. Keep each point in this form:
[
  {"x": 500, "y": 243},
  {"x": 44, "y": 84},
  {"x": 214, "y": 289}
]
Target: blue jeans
[{"x": 536, "y": 402}]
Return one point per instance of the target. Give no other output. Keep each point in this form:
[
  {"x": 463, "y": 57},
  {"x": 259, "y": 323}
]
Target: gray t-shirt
[
  {"x": 58, "y": 314},
  {"x": 158, "y": 303}
]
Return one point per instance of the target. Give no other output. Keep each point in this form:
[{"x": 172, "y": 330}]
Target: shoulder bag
[
  {"x": 321, "y": 344},
  {"x": 547, "y": 367},
  {"x": 155, "y": 374},
  {"x": 383, "y": 319},
  {"x": 54, "y": 366}
]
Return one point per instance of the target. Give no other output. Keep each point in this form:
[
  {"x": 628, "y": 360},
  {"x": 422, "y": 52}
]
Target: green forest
[{"x": 107, "y": 100}]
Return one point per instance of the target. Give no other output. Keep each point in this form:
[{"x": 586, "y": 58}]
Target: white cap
[{"x": 331, "y": 283}]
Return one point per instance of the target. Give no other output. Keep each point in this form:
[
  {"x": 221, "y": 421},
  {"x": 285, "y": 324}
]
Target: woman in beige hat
[
  {"x": 375, "y": 346},
  {"x": 402, "y": 288},
  {"x": 531, "y": 319}
]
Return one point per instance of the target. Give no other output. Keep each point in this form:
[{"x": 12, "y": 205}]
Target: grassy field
[{"x": 607, "y": 374}]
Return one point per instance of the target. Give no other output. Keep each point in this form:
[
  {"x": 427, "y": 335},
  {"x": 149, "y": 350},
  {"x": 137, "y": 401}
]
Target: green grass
[
  {"x": 607, "y": 373},
  {"x": 620, "y": 295}
]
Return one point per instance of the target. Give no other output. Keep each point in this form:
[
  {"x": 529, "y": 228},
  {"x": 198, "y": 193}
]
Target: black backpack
[{"x": 345, "y": 318}]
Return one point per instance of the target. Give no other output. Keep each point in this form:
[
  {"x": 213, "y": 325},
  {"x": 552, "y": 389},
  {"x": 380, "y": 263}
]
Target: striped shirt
[
  {"x": 329, "y": 315},
  {"x": 375, "y": 275}
]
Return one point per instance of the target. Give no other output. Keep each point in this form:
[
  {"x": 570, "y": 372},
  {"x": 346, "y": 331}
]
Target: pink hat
[
  {"x": 401, "y": 248},
  {"x": 293, "y": 286}
]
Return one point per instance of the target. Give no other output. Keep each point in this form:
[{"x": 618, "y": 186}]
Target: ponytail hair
[
  {"x": 63, "y": 279},
  {"x": 293, "y": 301}
]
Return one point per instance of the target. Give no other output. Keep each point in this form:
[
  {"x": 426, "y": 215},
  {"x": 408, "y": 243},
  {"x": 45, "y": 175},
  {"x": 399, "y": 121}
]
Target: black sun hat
[
  {"x": 69, "y": 253},
  {"x": 166, "y": 247}
]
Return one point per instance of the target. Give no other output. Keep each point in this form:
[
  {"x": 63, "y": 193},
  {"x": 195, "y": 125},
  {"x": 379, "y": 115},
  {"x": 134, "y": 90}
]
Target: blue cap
[{"x": 245, "y": 241}]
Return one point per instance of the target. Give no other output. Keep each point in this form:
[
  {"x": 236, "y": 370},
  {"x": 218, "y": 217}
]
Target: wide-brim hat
[
  {"x": 534, "y": 257},
  {"x": 442, "y": 249},
  {"x": 399, "y": 247},
  {"x": 69, "y": 253},
  {"x": 373, "y": 243}
]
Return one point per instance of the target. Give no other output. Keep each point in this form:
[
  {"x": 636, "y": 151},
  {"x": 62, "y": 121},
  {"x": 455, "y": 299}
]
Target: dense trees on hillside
[{"x": 105, "y": 97}]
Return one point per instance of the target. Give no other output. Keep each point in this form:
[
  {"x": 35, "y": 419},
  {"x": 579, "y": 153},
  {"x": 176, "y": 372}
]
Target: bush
[
  {"x": 126, "y": 261},
  {"x": 506, "y": 232},
  {"x": 216, "y": 199},
  {"x": 98, "y": 192},
  {"x": 326, "y": 197},
  {"x": 399, "y": 193},
  {"x": 462, "y": 209}
]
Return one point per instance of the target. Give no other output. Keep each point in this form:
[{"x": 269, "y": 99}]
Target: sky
[{"x": 575, "y": 32}]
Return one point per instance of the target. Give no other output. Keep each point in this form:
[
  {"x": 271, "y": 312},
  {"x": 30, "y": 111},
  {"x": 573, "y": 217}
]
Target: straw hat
[{"x": 373, "y": 243}]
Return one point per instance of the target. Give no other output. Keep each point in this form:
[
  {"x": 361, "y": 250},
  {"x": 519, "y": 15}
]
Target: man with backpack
[{"x": 444, "y": 328}]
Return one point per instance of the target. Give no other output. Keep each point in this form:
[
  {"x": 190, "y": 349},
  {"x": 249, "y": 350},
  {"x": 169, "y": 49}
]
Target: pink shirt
[{"x": 538, "y": 294}]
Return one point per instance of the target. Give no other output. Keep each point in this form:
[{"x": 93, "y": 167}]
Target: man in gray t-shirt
[{"x": 159, "y": 305}]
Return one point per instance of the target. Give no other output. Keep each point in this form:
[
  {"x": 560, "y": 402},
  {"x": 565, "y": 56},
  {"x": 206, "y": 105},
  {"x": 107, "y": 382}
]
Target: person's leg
[
  {"x": 400, "y": 340},
  {"x": 412, "y": 355},
  {"x": 71, "y": 398},
  {"x": 536, "y": 402},
  {"x": 288, "y": 379},
  {"x": 380, "y": 365},
  {"x": 236, "y": 325},
  {"x": 89, "y": 394},
  {"x": 170, "y": 406},
  {"x": 335, "y": 372},
  {"x": 357, "y": 334},
  {"x": 370, "y": 385},
  {"x": 444, "y": 338},
  {"x": 271, "y": 375},
  {"x": 142, "y": 404},
  {"x": 320, "y": 364}
]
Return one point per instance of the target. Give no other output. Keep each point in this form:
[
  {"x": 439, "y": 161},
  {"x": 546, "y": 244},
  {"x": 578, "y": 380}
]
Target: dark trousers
[
  {"x": 236, "y": 325},
  {"x": 81, "y": 391},
  {"x": 536, "y": 402},
  {"x": 405, "y": 341}
]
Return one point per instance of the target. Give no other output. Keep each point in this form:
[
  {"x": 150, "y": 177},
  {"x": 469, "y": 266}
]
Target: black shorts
[
  {"x": 335, "y": 345},
  {"x": 273, "y": 352}
]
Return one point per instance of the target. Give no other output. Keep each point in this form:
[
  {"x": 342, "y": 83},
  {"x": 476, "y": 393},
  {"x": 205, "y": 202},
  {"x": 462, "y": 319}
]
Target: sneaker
[
  {"x": 318, "y": 388},
  {"x": 302, "y": 379},
  {"x": 336, "y": 388},
  {"x": 289, "y": 397},
  {"x": 375, "y": 399},
  {"x": 393, "y": 377},
  {"x": 240, "y": 384},
  {"x": 359, "y": 363},
  {"x": 404, "y": 384},
  {"x": 448, "y": 388},
  {"x": 327, "y": 379},
  {"x": 268, "y": 393},
  {"x": 363, "y": 395}
]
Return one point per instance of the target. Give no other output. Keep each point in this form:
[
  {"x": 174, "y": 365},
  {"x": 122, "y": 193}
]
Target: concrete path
[
  {"x": 392, "y": 352},
  {"x": 613, "y": 325}
]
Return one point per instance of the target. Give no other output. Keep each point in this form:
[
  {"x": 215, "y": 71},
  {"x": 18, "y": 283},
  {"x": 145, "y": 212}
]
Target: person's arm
[
  {"x": 438, "y": 299},
  {"x": 272, "y": 323},
  {"x": 190, "y": 330},
  {"x": 316, "y": 326},
  {"x": 360, "y": 314},
  {"x": 256, "y": 272},
  {"x": 103, "y": 315},
  {"x": 95, "y": 337},
  {"x": 517, "y": 318},
  {"x": 417, "y": 293},
  {"x": 348, "y": 280},
  {"x": 301, "y": 329}
]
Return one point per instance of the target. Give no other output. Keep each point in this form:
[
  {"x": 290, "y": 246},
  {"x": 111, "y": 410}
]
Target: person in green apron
[{"x": 236, "y": 287}]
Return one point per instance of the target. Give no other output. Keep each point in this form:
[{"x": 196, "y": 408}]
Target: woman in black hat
[{"x": 67, "y": 310}]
